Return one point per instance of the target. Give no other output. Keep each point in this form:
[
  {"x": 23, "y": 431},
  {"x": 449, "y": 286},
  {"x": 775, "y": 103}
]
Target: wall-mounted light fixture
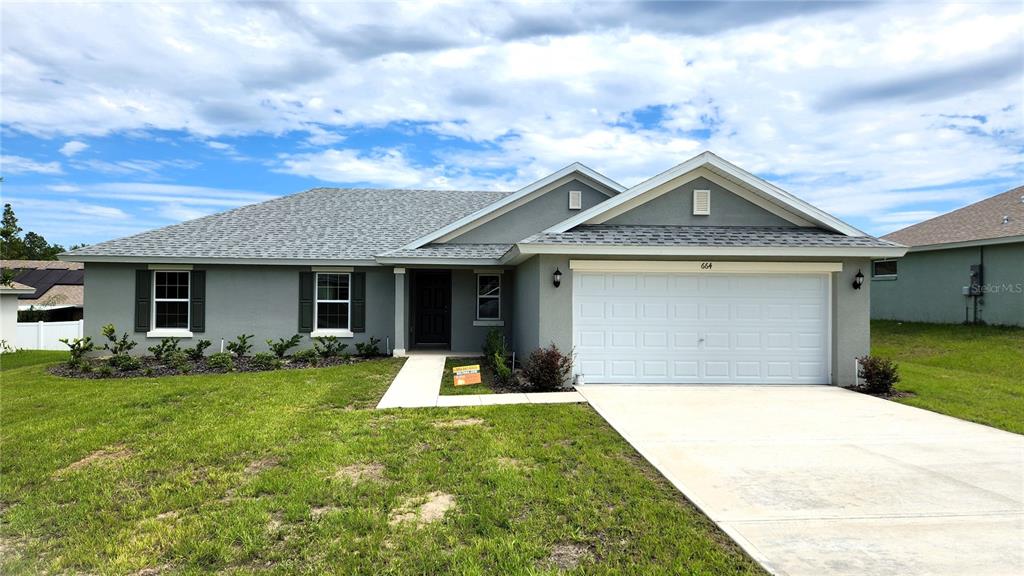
[
  {"x": 858, "y": 280},
  {"x": 556, "y": 278}
]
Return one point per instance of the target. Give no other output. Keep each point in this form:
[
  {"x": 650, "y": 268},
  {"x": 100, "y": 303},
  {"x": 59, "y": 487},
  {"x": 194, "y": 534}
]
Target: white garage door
[{"x": 701, "y": 328}]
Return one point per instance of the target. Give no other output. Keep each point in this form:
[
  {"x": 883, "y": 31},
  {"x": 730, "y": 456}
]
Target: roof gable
[
  {"x": 727, "y": 175},
  {"x": 979, "y": 221}
]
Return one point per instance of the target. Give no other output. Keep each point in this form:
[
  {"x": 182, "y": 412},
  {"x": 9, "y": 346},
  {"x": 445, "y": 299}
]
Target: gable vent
[
  {"x": 575, "y": 200},
  {"x": 701, "y": 202}
]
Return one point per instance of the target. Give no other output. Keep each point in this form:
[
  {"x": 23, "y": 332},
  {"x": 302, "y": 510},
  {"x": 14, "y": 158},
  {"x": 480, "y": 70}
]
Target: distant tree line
[{"x": 30, "y": 246}]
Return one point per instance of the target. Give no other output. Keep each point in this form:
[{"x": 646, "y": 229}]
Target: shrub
[
  {"x": 329, "y": 346},
  {"x": 106, "y": 370},
  {"x": 266, "y": 361},
  {"x": 78, "y": 347},
  {"x": 117, "y": 346},
  {"x": 166, "y": 347},
  {"x": 309, "y": 356},
  {"x": 195, "y": 353},
  {"x": 369, "y": 348},
  {"x": 180, "y": 361},
  {"x": 125, "y": 363},
  {"x": 502, "y": 371},
  {"x": 221, "y": 361},
  {"x": 147, "y": 372},
  {"x": 547, "y": 369},
  {"x": 282, "y": 346},
  {"x": 496, "y": 355},
  {"x": 240, "y": 346},
  {"x": 879, "y": 374}
]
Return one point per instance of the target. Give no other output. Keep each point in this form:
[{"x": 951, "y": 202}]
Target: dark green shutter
[
  {"x": 197, "y": 293},
  {"x": 306, "y": 291},
  {"x": 359, "y": 302},
  {"x": 143, "y": 282}
]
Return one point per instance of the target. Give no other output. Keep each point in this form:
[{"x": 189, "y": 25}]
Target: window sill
[
  {"x": 335, "y": 333},
  {"x": 884, "y": 278},
  {"x": 488, "y": 322},
  {"x": 169, "y": 333}
]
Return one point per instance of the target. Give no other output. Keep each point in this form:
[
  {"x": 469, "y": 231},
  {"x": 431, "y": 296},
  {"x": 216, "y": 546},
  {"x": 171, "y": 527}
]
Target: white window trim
[
  {"x": 885, "y": 276},
  {"x": 478, "y": 297},
  {"x": 338, "y": 332},
  {"x": 158, "y": 332}
]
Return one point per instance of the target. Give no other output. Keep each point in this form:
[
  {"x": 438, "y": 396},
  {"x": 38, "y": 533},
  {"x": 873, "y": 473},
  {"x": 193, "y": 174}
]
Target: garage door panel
[{"x": 682, "y": 328}]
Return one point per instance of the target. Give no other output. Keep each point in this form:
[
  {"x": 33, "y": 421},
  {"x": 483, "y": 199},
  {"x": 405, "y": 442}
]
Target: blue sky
[{"x": 147, "y": 114}]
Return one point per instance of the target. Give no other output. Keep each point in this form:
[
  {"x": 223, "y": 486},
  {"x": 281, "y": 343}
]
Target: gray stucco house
[
  {"x": 703, "y": 273},
  {"x": 964, "y": 266}
]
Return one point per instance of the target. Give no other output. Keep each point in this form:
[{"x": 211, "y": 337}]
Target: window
[
  {"x": 883, "y": 269},
  {"x": 488, "y": 297},
  {"x": 332, "y": 301},
  {"x": 170, "y": 299}
]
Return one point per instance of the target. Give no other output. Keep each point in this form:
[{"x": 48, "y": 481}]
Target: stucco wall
[
  {"x": 465, "y": 336},
  {"x": 526, "y": 315},
  {"x": 8, "y": 318},
  {"x": 676, "y": 208},
  {"x": 929, "y": 286},
  {"x": 851, "y": 326},
  {"x": 532, "y": 217},
  {"x": 259, "y": 300}
]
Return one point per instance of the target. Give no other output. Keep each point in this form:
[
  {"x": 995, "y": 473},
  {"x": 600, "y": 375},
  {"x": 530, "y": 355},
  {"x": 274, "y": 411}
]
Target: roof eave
[
  {"x": 531, "y": 248},
  {"x": 217, "y": 260},
  {"x": 967, "y": 244}
]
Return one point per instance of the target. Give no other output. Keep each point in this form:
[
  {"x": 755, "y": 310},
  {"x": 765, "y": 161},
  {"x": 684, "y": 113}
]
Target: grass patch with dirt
[
  {"x": 448, "y": 387},
  {"x": 970, "y": 372},
  {"x": 290, "y": 472},
  {"x": 21, "y": 358}
]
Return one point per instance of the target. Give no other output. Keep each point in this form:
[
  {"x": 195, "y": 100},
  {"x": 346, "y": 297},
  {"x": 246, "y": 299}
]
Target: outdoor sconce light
[
  {"x": 858, "y": 280},
  {"x": 556, "y": 278}
]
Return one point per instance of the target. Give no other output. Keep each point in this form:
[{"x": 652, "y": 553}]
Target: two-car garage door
[{"x": 649, "y": 327}]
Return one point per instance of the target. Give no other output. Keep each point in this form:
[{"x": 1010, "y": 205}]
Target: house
[
  {"x": 703, "y": 273},
  {"x": 964, "y": 266},
  {"x": 9, "y": 294},
  {"x": 59, "y": 294}
]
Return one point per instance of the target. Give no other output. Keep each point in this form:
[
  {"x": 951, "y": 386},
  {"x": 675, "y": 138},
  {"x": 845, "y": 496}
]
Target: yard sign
[{"x": 466, "y": 375}]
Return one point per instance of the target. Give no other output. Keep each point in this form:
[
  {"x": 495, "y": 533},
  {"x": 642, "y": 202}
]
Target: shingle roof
[
  {"x": 741, "y": 236},
  {"x": 979, "y": 221},
  {"x": 472, "y": 251},
  {"x": 320, "y": 224}
]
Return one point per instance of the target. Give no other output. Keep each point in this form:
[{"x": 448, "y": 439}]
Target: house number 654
[{"x": 705, "y": 265}]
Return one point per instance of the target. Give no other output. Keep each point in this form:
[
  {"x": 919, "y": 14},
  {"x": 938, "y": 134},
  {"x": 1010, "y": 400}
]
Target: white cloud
[
  {"x": 73, "y": 147},
  {"x": 22, "y": 165},
  {"x": 379, "y": 167}
]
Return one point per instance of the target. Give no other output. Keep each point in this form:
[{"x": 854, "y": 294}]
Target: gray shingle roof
[
  {"x": 761, "y": 236},
  {"x": 474, "y": 251},
  {"x": 320, "y": 224},
  {"x": 1000, "y": 216}
]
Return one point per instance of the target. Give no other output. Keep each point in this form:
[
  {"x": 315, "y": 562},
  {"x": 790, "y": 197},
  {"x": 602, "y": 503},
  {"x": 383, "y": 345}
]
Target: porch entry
[{"x": 431, "y": 308}]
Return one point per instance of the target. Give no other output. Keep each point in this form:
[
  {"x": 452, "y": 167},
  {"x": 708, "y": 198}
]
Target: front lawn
[
  {"x": 448, "y": 387},
  {"x": 971, "y": 372},
  {"x": 291, "y": 472},
  {"x": 12, "y": 360}
]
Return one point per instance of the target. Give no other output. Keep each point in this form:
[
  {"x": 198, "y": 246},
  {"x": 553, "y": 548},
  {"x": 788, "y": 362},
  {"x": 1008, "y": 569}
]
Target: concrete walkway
[
  {"x": 815, "y": 480},
  {"x": 417, "y": 385}
]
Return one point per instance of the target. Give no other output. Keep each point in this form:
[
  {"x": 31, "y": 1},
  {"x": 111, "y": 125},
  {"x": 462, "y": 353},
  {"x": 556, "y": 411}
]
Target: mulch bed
[{"x": 152, "y": 367}]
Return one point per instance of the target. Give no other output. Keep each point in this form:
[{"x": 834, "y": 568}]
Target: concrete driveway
[{"x": 819, "y": 480}]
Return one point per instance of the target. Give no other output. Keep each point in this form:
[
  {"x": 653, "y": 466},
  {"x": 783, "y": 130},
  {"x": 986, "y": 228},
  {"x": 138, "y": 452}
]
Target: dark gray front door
[{"x": 432, "y": 308}]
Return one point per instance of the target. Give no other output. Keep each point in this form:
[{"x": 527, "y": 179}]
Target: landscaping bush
[
  {"x": 179, "y": 360},
  {"x": 221, "y": 361},
  {"x": 368, "y": 349},
  {"x": 78, "y": 347},
  {"x": 166, "y": 347},
  {"x": 496, "y": 356},
  {"x": 308, "y": 356},
  {"x": 329, "y": 346},
  {"x": 195, "y": 353},
  {"x": 240, "y": 346},
  {"x": 282, "y": 346},
  {"x": 502, "y": 371},
  {"x": 266, "y": 361},
  {"x": 547, "y": 369},
  {"x": 879, "y": 374},
  {"x": 117, "y": 346},
  {"x": 125, "y": 363},
  {"x": 105, "y": 370}
]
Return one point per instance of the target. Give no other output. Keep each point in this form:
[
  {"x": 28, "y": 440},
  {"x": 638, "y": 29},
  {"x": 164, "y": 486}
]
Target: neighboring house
[
  {"x": 964, "y": 266},
  {"x": 703, "y": 273},
  {"x": 59, "y": 294},
  {"x": 9, "y": 295}
]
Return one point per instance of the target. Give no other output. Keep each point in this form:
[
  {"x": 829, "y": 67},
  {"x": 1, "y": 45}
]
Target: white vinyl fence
[{"x": 46, "y": 335}]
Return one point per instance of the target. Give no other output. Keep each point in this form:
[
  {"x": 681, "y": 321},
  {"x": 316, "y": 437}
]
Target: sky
[{"x": 119, "y": 118}]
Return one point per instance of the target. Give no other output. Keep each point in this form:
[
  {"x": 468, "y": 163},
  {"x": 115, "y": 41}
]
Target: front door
[{"x": 432, "y": 308}]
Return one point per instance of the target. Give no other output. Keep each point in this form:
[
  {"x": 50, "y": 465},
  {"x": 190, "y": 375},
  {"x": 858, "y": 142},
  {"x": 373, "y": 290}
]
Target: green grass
[
  {"x": 12, "y": 360},
  {"x": 448, "y": 387},
  {"x": 236, "y": 473},
  {"x": 971, "y": 372}
]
